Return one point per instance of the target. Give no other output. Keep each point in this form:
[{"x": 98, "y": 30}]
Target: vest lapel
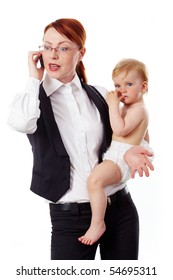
[
  {"x": 102, "y": 107},
  {"x": 50, "y": 123}
]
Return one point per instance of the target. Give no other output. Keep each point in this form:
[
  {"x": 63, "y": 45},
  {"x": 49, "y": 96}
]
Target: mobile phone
[{"x": 41, "y": 62}]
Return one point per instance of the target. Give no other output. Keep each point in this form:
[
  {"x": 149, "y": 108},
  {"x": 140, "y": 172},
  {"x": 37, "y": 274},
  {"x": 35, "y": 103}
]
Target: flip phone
[{"x": 41, "y": 62}]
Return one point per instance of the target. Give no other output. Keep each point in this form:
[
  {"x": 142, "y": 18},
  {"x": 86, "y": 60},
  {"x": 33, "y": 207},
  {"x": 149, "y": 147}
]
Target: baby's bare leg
[{"x": 104, "y": 174}]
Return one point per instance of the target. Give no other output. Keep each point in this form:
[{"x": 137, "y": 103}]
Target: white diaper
[{"x": 116, "y": 153}]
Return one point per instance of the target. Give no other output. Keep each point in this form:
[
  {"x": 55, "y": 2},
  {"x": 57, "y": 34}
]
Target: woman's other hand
[{"x": 138, "y": 161}]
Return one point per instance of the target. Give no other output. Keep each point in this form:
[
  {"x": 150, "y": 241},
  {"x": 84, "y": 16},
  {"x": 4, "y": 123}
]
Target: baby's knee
[{"x": 94, "y": 183}]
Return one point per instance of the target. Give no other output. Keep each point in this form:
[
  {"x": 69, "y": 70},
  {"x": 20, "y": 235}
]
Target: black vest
[{"x": 51, "y": 168}]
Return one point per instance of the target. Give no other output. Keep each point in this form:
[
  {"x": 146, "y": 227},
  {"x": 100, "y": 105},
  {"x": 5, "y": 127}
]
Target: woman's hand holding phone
[{"x": 35, "y": 70}]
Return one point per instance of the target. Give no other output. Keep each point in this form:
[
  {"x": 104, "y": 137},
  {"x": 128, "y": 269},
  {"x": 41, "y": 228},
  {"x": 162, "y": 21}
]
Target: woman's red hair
[{"x": 74, "y": 31}]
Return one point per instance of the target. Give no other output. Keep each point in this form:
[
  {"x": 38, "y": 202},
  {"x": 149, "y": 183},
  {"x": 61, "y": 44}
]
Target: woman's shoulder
[{"x": 103, "y": 91}]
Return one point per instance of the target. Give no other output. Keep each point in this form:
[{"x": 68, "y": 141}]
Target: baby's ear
[{"x": 144, "y": 86}]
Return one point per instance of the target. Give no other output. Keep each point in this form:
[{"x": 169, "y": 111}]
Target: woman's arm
[{"x": 24, "y": 109}]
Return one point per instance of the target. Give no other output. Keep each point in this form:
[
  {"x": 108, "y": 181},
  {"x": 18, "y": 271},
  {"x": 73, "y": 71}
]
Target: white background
[{"x": 115, "y": 30}]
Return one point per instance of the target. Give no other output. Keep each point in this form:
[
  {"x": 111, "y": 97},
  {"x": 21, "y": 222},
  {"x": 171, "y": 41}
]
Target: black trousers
[{"x": 119, "y": 242}]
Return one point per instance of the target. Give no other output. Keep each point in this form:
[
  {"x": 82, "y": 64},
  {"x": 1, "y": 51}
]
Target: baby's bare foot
[{"x": 94, "y": 232}]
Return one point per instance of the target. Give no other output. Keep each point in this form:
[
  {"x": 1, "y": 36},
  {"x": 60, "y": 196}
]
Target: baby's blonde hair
[{"x": 129, "y": 64}]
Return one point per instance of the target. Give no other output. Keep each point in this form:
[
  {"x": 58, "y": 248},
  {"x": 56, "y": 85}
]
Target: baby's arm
[{"x": 122, "y": 126}]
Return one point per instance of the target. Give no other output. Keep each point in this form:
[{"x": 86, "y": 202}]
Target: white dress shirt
[{"x": 79, "y": 124}]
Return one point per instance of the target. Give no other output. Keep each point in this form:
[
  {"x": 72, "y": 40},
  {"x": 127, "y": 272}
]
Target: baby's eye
[{"x": 129, "y": 84}]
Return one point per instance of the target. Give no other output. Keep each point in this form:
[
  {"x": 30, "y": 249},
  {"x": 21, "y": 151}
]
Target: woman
[{"x": 67, "y": 124}]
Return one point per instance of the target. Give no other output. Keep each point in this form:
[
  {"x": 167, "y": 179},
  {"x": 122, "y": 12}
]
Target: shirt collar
[{"x": 50, "y": 85}]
